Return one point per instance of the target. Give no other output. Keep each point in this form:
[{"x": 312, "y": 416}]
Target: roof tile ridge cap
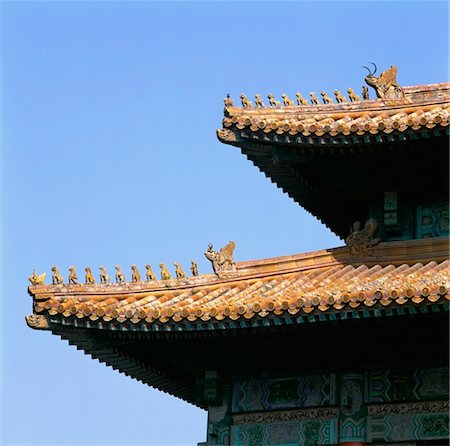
[
  {"x": 292, "y": 257},
  {"x": 444, "y": 85},
  {"x": 295, "y": 269}
]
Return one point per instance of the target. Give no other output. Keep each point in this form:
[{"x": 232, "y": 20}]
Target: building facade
[{"x": 345, "y": 346}]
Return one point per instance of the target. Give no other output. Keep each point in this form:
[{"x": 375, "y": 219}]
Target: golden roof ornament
[
  {"x": 135, "y": 276},
  {"x": 73, "y": 279},
  {"x": 300, "y": 99},
  {"x": 88, "y": 278},
  {"x": 314, "y": 99},
  {"x": 222, "y": 261},
  {"x": 104, "y": 278},
  {"x": 165, "y": 275},
  {"x": 228, "y": 101},
  {"x": 339, "y": 98},
  {"x": 286, "y": 101},
  {"x": 37, "y": 321},
  {"x": 245, "y": 102},
  {"x": 361, "y": 241},
  {"x": 150, "y": 275},
  {"x": 352, "y": 95},
  {"x": 259, "y": 103},
  {"x": 194, "y": 268},
  {"x": 272, "y": 101},
  {"x": 120, "y": 277},
  {"x": 57, "y": 278},
  {"x": 35, "y": 279},
  {"x": 385, "y": 85},
  {"x": 365, "y": 92},
  {"x": 326, "y": 99},
  {"x": 179, "y": 273}
]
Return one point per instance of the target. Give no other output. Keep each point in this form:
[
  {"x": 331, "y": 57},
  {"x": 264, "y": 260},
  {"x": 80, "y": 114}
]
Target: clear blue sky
[{"x": 109, "y": 155}]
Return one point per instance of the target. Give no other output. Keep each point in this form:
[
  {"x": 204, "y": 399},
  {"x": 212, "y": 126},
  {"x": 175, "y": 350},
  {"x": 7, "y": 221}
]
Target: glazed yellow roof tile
[
  {"x": 293, "y": 285},
  {"x": 424, "y": 107}
]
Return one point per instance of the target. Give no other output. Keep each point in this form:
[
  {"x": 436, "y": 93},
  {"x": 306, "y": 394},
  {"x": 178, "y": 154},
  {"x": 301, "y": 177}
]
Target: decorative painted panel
[
  {"x": 274, "y": 394},
  {"x": 352, "y": 423},
  {"x": 312, "y": 432},
  {"x": 404, "y": 427},
  {"x": 433, "y": 220},
  {"x": 408, "y": 385}
]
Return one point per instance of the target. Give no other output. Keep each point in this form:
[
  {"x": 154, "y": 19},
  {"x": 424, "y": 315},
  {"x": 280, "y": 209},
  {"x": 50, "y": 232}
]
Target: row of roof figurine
[
  {"x": 57, "y": 277},
  {"x": 385, "y": 86},
  {"x": 259, "y": 103},
  {"x": 222, "y": 261}
]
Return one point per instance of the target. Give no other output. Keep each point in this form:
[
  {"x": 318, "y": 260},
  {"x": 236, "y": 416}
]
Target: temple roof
[
  {"x": 338, "y": 159},
  {"x": 166, "y": 333},
  {"x": 319, "y": 283},
  {"x": 423, "y": 108}
]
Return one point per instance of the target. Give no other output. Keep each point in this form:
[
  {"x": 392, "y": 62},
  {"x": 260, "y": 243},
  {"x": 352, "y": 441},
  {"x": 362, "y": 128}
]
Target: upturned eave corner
[
  {"x": 37, "y": 321},
  {"x": 226, "y": 136}
]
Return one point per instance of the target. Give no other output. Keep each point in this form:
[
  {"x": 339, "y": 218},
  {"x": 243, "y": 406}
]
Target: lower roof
[
  {"x": 323, "y": 282},
  {"x": 166, "y": 333}
]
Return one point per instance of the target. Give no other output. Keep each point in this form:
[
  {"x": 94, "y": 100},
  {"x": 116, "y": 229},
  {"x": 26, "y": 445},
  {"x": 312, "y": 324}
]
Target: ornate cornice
[
  {"x": 286, "y": 415},
  {"x": 408, "y": 408}
]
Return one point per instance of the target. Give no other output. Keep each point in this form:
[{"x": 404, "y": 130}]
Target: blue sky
[{"x": 109, "y": 155}]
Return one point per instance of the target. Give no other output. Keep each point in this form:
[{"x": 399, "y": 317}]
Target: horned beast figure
[
  {"x": 385, "y": 85},
  {"x": 222, "y": 261}
]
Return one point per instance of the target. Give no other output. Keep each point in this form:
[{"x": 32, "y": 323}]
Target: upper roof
[
  {"x": 338, "y": 159},
  {"x": 423, "y": 108}
]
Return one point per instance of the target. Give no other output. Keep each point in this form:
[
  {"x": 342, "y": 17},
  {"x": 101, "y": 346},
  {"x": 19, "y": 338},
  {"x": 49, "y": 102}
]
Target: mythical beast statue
[
  {"x": 385, "y": 85},
  {"x": 222, "y": 261}
]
